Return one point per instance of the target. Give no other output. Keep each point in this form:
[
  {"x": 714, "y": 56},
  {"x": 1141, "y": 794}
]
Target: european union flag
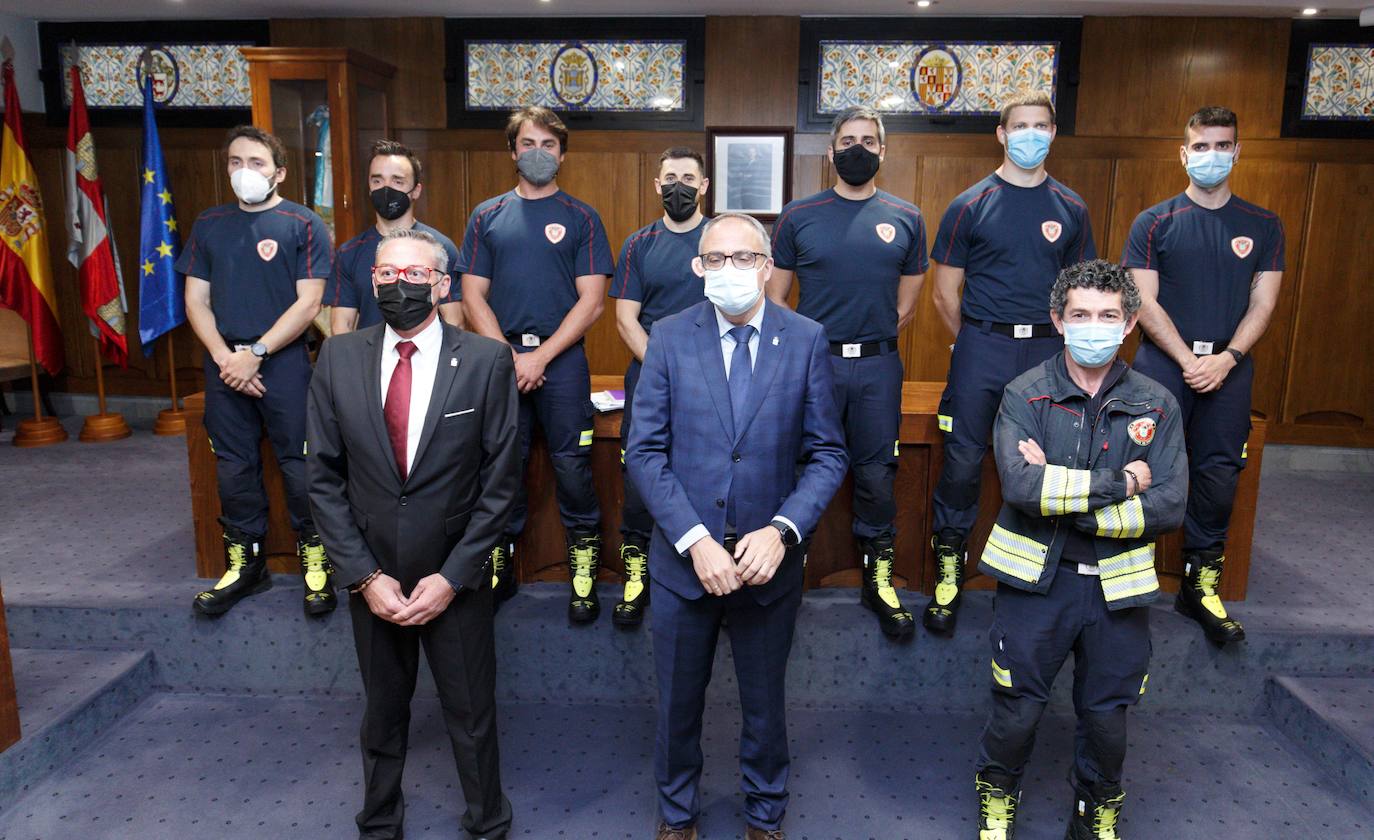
[{"x": 161, "y": 299}]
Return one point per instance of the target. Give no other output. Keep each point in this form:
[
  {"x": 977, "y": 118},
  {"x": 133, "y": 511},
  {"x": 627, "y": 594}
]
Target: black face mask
[
  {"x": 856, "y": 165},
  {"x": 679, "y": 201},
  {"x": 390, "y": 203},
  {"x": 404, "y": 305}
]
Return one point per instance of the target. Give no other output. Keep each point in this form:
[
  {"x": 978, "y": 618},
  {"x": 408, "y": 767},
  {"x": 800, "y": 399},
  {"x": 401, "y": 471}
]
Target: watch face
[{"x": 259, "y": 350}]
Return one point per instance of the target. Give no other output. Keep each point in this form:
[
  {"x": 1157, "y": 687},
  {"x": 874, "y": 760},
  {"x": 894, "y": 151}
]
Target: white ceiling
[{"x": 58, "y": 10}]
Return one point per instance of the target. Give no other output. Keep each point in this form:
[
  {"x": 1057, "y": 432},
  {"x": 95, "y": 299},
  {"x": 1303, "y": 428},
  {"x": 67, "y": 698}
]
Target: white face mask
[
  {"x": 250, "y": 186},
  {"x": 733, "y": 290}
]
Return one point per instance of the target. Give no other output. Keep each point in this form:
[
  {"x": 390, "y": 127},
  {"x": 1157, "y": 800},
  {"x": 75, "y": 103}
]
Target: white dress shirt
[
  {"x": 727, "y": 352},
  {"x": 424, "y": 364}
]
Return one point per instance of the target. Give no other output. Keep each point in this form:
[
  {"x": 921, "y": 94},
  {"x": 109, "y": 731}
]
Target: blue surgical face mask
[
  {"x": 1093, "y": 345},
  {"x": 1028, "y": 147},
  {"x": 733, "y": 290},
  {"x": 1207, "y": 169}
]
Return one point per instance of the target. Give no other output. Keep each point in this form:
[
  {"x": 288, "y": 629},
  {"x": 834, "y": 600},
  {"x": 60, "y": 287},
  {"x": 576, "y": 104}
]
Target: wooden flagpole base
[
  {"x": 170, "y": 421},
  {"x": 104, "y": 427},
  {"x": 39, "y": 432}
]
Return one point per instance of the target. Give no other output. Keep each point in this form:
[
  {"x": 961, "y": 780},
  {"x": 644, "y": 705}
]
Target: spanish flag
[{"x": 26, "y": 281}]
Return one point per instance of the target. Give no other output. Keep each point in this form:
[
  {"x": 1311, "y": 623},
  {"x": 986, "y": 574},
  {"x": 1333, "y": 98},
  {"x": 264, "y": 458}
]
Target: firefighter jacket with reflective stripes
[{"x": 1082, "y": 484}]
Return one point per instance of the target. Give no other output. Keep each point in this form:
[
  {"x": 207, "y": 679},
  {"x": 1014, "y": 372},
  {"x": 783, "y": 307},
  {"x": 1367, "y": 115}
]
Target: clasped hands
[
  {"x": 1031, "y": 451},
  {"x": 756, "y": 559},
  {"x": 1206, "y": 373},
  {"x": 239, "y": 370},
  {"x": 431, "y": 596},
  {"x": 529, "y": 370}
]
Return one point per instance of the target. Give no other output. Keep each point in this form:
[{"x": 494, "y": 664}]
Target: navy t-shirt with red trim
[
  {"x": 1012, "y": 242},
  {"x": 1206, "y": 259},
  {"x": 655, "y": 268},
  {"x": 350, "y": 284},
  {"x": 848, "y": 256},
  {"x": 533, "y": 251},
  {"x": 253, "y": 260}
]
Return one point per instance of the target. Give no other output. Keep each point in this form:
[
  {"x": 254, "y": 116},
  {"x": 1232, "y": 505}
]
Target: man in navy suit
[{"x": 736, "y": 449}]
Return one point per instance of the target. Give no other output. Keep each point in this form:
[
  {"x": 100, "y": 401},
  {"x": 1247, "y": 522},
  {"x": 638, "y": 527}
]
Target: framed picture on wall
[
  {"x": 1327, "y": 94},
  {"x": 750, "y": 170}
]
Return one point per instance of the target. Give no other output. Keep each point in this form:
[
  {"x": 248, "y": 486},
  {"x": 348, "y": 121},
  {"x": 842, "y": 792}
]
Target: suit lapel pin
[
  {"x": 453, "y": 362},
  {"x": 775, "y": 341}
]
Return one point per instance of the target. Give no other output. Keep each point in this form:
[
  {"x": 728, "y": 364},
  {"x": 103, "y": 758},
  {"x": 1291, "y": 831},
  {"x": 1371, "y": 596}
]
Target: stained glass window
[
  {"x": 1340, "y": 82},
  {"x": 606, "y": 76},
  {"x": 184, "y": 75}
]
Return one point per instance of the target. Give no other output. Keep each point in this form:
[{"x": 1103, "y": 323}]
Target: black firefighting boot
[
  {"x": 1198, "y": 598},
  {"x": 878, "y": 594},
  {"x": 245, "y": 574},
  {"x": 634, "y": 556},
  {"x": 318, "y": 573},
  {"x": 1096, "y": 812},
  {"x": 584, "y": 561},
  {"x": 996, "y": 810},
  {"x": 943, "y": 610},
  {"x": 502, "y": 561}
]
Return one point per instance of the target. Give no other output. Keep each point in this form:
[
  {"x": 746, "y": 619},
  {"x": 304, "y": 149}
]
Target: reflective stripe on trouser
[
  {"x": 982, "y": 364},
  {"x": 635, "y": 520},
  {"x": 1215, "y": 428},
  {"x": 563, "y": 409},
  {"x": 868, "y": 392},
  {"x": 235, "y": 423},
  {"x": 1031, "y": 637}
]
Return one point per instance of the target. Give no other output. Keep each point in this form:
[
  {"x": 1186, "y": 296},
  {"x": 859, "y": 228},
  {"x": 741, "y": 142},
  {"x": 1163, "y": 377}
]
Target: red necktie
[{"x": 396, "y": 409}]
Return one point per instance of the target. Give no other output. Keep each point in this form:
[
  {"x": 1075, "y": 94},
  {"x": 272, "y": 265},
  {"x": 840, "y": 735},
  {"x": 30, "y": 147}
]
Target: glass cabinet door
[{"x": 300, "y": 117}]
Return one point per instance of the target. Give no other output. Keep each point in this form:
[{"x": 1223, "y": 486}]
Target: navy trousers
[
  {"x": 1215, "y": 427},
  {"x": 1032, "y": 635},
  {"x": 685, "y": 633},
  {"x": 235, "y": 422},
  {"x": 869, "y": 394},
  {"x": 979, "y": 370},
  {"x": 635, "y": 522},
  {"x": 563, "y": 409}
]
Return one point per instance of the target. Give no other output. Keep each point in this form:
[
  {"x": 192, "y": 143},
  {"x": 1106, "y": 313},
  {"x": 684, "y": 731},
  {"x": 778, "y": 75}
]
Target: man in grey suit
[
  {"x": 412, "y": 460},
  {"x": 736, "y": 449}
]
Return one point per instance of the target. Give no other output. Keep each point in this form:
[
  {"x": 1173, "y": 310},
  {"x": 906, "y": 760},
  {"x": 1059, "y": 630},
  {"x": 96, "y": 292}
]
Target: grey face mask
[{"x": 537, "y": 166}]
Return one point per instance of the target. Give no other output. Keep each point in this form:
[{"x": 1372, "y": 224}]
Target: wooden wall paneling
[
  {"x": 415, "y": 45},
  {"x": 1331, "y": 373},
  {"x": 926, "y": 353},
  {"x": 1091, "y": 178},
  {"x": 900, "y": 173},
  {"x": 1170, "y": 67},
  {"x": 1139, "y": 184},
  {"x": 751, "y": 70},
  {"x": 444, "y": 202},
  {"x": 9, "y": 700}
]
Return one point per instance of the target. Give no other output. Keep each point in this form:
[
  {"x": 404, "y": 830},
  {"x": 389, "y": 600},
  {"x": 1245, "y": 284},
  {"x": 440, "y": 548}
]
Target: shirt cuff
[
  {"x": 457, "y": 587},
  {"x": 790, "y": 524},
  {"x": 690, "y": 538}
]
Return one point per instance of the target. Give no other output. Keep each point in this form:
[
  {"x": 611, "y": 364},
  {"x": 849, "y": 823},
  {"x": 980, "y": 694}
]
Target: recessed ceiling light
[
  {"x": 1309, "y": 12},
  {"x": 924, "y": 4}
]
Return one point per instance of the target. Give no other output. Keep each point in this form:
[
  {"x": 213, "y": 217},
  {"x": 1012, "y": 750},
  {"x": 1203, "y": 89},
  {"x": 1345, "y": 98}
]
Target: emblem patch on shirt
[
  {"x": 1142, "y": 431},
  {"x": 886, "y": 232},
  {"x": 554, "y": 232},
  {"x": 1051, "y": 230},
  {"x": 267, "y": 249},
  {"x": 1242, "y": 245}
]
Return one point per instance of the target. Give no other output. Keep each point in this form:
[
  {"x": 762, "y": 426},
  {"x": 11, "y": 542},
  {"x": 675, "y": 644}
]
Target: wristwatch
[
  {"x": 790, "y": 538},
  {"x": 1235, "y": 354},
  {"x": 258, "y": 349}
]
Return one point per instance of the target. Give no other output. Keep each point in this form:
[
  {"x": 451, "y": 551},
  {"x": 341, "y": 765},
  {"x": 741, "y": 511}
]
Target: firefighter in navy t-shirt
[
  {"x": 534, "y": 262},
  {"x": 1004, "y": 240},
  {"x": 1209, "y": 267},
  {"x": 393, "y": 181},
  {"x": 654, "y": 279},
  {"x": 255, "y": 274},
  {"x": 859, "y": 256}
]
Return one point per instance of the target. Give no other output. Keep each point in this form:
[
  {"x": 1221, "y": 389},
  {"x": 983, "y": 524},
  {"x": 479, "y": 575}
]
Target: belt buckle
[
  {"x": 529, "y": 340},
  {"x": 851, "y": 351},
  {"x": 1203, "y": 348},
  {"x": 1085, "y": 569},
  {"x": 1022, "y": 330}
]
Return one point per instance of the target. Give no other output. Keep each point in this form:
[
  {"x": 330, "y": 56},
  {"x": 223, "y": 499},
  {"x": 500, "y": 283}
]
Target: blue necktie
[{"x": 741, "y": 374}]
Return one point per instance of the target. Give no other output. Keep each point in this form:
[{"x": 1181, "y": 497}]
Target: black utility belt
[
  {"x": 1018, "y": 330},
  {"x": 1201, "y": 348},
  {"x": 526, "y": 339},
  {"x": 863, "y": 349}
]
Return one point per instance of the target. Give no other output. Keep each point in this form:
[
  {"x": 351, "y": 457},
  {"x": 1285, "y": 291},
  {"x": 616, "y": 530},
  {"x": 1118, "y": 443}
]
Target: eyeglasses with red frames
[{"x": 417, "y": 274}]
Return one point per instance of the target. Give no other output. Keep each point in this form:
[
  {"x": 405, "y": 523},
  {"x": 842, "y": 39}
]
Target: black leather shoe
[
  {"x": 584, "y": 561},
  {"x": 504, "y": 583},
  {"x": 245, "y": 574},
  {"x": 943, "y": 610},
  {"x": 318, "y": 574},
  {"x": 878, "y": 593},
  {"x": 634, "y": 556},
  {"x": 1198, "y": 599}
]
